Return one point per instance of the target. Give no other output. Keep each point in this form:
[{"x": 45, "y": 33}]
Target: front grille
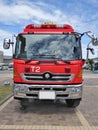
[
  {"x": 47, "y": 77},
  {"x": 46, "y": 88}
]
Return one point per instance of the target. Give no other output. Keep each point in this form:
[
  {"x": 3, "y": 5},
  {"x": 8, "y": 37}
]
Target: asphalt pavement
[{"x": 6, "y": 76}]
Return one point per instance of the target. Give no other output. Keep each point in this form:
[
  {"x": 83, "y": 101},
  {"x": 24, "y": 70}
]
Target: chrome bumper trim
[{"x": 70, "y": 92}]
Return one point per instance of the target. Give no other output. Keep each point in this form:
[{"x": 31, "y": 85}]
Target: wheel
[
  {"x": 73, "y": 102},
  {"x": 23, "y": 103}
]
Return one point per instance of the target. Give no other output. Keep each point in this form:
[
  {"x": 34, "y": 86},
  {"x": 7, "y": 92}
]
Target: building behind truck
[{"x": 4, "y": 61}]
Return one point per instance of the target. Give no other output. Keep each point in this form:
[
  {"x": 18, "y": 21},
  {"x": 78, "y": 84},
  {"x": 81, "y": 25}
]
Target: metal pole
[
  {"x": 12, "y": 44},
  {"x": 87, "y": 52}
]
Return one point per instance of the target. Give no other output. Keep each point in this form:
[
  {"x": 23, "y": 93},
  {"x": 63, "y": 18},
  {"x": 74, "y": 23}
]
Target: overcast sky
[{"x": 81, "y": 14}]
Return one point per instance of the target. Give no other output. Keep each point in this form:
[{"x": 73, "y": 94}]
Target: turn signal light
[
  {"x": 79, "y": 74},
  {"x": 15, "y": 73}
]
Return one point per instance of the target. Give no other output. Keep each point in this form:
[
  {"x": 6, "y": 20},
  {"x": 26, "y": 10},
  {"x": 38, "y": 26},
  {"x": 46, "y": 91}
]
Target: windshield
[{"x": 48, "y": 46}]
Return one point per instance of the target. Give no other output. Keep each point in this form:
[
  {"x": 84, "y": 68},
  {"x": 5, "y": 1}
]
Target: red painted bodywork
[{"x": 53, "y": 66}]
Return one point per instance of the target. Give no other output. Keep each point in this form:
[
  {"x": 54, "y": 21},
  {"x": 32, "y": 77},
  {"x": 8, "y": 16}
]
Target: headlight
[
  {"x": 20, "y": 88},
  {"x": 76, "y": 90},
  {"x": 16, "y": 87},
  {"x": 23, "y": 88}
]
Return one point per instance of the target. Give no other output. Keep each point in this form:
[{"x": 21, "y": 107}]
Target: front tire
[
  {"x": 24, "y": 103},
  {"x": 73, "y": 102}
]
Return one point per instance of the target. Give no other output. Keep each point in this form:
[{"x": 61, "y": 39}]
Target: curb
[{"x": 6, "y": 98}]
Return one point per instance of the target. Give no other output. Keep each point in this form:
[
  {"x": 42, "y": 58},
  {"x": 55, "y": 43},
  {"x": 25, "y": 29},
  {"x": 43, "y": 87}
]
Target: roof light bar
[{"x": 48, "y": 25}]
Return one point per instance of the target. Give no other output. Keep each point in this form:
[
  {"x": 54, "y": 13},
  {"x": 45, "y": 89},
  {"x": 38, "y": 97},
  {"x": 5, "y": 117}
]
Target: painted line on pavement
[
  {"x": 82, "y": 119},
  {"x": 45, "y": 127},
  {"x": 91, "y": 86},
  {"x": 6, "y": 103}
]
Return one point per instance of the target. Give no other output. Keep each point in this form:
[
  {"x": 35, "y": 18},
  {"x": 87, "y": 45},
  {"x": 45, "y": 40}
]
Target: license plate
[{"x": 47, "y": 95}]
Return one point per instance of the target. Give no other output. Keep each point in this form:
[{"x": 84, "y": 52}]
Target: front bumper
[{"x": 60, "y": 91}]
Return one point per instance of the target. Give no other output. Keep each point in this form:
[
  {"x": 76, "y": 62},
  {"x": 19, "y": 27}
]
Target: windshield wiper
[
  {"x": 39, "y": 55},
  {"x": 53, "y": 56},
  {"x": 28, "y": 61},
  {"x": 43, "y": 55},
  {"x": 68, "y": 62}
]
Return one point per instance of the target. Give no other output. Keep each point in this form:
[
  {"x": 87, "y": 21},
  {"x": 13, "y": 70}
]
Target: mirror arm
[
  {"x": 12, "y": 43},
  {"x": 13, "y": 55}
]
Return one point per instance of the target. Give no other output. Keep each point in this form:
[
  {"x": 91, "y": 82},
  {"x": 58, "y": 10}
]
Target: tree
[{"x": 91, "y": 61}]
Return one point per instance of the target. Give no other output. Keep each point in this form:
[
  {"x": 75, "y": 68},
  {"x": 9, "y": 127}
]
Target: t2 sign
[{"x": 35, "y": 69}]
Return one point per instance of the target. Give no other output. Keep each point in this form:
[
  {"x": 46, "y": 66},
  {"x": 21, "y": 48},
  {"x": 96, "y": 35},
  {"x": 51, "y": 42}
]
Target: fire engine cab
[{"x": 48, "y": 64}]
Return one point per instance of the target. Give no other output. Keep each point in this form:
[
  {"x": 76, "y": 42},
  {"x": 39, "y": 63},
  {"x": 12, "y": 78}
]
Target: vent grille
[{"x": 47, "y": 77}]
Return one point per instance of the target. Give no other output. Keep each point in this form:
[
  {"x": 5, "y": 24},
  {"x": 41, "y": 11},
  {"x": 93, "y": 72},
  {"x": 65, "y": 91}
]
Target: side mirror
[
  {"x": 92, "y": 50},
  {"x": 95, "y": 42},
  {"x": 93, "y": 37},
  {"x": 6, "y": 44}
]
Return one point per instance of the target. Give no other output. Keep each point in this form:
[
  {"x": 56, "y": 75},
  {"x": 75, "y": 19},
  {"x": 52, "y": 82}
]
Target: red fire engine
[{"x": 48, "y": 64}]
